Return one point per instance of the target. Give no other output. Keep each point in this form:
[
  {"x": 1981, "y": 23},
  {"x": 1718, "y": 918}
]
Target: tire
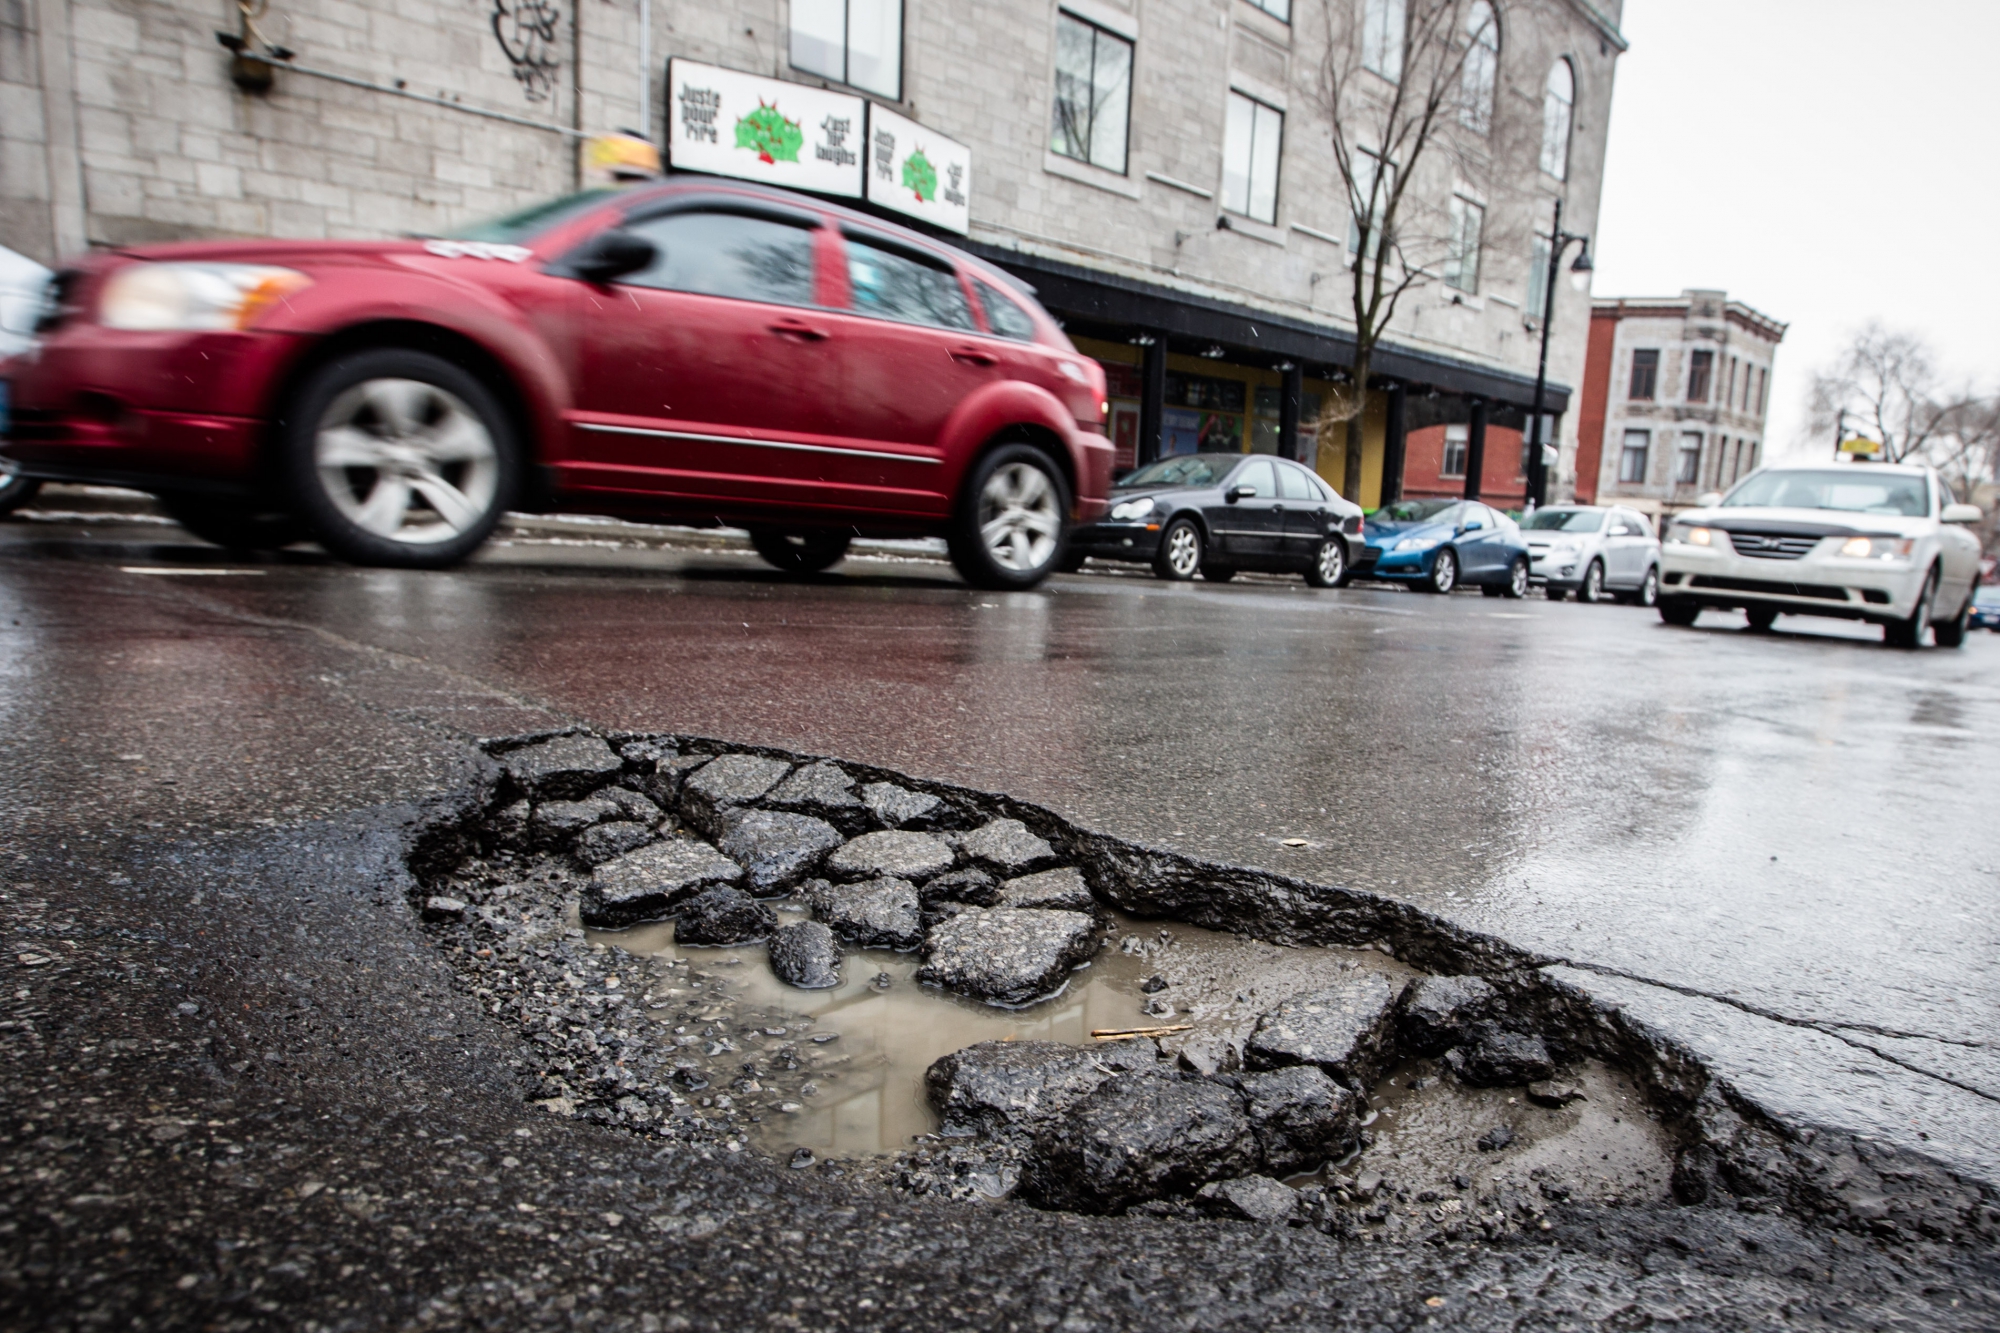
[
  {"x": 800, "y": 552},
  {"x": 1516, "y": 586},
  {"x": 1218, "y": 573},
  {"x": 1591, "y": 587},
  {"x": 1678, "y": 611},
  {"x": 399, "y": 458},
  {"x": 1329, "y": 570},
  {"x": 1909, "y": 632},
  {"x": 234, "y": 525},
  {"x": 1444, "y": 572},
  {"x": 1012, "y": 519},
  {"x": 1951, "y": 633},
  {"x": 15, "y": 489},
  {"x": 1181, "y": 551},
  {"x": 1761, "y": 618},
  {"x": 1648, "y": 594}
]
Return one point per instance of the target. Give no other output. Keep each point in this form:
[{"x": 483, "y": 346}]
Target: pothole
[{"x": 734, "y": 950}]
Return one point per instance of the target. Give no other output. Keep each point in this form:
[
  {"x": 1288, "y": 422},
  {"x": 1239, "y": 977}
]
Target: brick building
[
  {"x": 1159, "y": 170},
  {"x": 1675, "y": 396}
]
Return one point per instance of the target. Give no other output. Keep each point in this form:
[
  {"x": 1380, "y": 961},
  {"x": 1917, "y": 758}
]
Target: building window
[
  {"x": 1737, "y": 470},
  {"x": 1763, "y": 382},
  {"x": 1277, "y": 9},
  {"x": 1382, "y": 25},
  {"x": 1645, "y": 374},
  {"x": 1729, "y": 384},
  {"x": 1250, "y": 141},
  {"x": 1368, "y": 169},
  {"x": 1632, "y": 459},
  {"x": 1700, "y": 367},
  {"x": 1687, "y": 465},
  {"x": 1456, "y": 440},
  {"x": 1461, "y": 261},
  {"x": 1558, "y": 101},
  {"x": 1482, "y": 64},
  {"x": 856, "y": 42},
  {"x": 1093, "y": 93}
]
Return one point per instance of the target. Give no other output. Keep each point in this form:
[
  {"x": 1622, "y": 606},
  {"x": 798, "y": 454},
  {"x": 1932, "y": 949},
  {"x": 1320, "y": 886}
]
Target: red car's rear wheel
[{"x": 397, "y": 457}]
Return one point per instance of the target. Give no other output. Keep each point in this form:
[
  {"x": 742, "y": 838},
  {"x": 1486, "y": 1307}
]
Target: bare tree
[
  {"x": 1400, "y": 87},
  {"x": 1886, "y": 385}
]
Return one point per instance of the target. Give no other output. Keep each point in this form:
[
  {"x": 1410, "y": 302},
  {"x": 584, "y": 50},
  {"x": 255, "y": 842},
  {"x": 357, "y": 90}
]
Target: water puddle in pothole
[{"x": 859, "y": 1088}]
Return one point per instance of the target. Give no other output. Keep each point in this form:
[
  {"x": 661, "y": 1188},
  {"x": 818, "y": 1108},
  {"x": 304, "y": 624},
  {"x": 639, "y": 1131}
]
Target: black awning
[{"x": 1090, "y": 301}]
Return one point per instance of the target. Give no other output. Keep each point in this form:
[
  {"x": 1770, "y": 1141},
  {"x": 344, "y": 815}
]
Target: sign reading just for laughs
[
  {"x": 734, "y": 124},
  {"x": 918, "y": 171}
]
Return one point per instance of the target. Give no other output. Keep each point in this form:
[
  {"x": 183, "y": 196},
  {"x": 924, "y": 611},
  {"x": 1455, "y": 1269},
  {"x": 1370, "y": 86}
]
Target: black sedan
[{"x": 1215, "y": 514}]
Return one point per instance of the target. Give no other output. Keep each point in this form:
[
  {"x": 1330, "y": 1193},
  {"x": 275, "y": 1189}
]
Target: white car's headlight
[
  {"x": 1688, "y": 534},
  {"x": 1878, "y": 548},
  {"x": 1416, "y": 543},
  {"x": 1127, "y": 510},
  {"x": 158, "y": 297}
]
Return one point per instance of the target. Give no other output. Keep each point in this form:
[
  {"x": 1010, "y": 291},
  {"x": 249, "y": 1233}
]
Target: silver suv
[{"x": 1593, "y": 551}]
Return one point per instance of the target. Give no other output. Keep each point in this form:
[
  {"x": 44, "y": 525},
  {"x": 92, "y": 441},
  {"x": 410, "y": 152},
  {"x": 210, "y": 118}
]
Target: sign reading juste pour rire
[{"x": 729, "y": 123}]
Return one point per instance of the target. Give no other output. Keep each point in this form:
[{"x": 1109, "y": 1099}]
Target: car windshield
[
  {"x": 1565, "y": 520},
  {"x": 519, "y": 227},
  {"x": 1412, "y": 511},
  {"x": 1851, "y": 489},
  {"x": 1187, "y": 470},
  {"x": 1988, "y": 595}
]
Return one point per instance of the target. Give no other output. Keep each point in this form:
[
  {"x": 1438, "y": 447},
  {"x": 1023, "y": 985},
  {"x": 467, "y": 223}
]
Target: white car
[
  {"x": 1592, "y": 550},
  {"x": 1862, "y": 541}
]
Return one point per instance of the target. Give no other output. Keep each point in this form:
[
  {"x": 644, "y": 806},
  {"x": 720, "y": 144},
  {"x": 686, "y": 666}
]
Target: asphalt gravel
[{"x": 241, "y": 1090}]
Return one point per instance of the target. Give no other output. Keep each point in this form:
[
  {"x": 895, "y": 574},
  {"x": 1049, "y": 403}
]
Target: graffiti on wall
[{"x": 527, "y": 33}]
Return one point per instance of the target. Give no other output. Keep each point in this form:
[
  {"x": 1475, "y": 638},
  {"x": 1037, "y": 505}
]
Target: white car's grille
[{"x": 1772, "y": 545}]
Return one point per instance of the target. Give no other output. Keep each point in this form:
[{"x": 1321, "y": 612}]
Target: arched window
[
  {"x": 1557, "y": 105},
  {"x": 1482, "y": 62}
]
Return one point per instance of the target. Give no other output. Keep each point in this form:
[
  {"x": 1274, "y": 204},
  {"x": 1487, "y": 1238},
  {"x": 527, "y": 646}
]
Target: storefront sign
[
  {"x": 918, "y": 171},
  {"x": 734, "y": 124}
]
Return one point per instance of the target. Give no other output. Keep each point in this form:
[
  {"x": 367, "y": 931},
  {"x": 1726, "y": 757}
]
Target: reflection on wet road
[{"x": 1792, "y": 820}]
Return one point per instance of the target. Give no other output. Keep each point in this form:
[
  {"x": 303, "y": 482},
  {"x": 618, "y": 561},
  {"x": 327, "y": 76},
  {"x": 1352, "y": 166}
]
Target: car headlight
[
  {"x": 1688, "y": 534},
  {"x": 1878, "y": 548},
  {"x": 1416, "y": 543},
  {"x": 155, "y": 297},
  {"x": 1127, "y": 510}
]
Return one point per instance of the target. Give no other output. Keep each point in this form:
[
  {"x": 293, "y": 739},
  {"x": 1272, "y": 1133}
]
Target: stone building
[
  {"x": 1675, "y": 395},
  {"x": 1159, "y": 170}
]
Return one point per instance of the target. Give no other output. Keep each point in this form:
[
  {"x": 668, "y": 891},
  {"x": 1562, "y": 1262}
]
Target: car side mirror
[
  {"x": 611, "y": 254},
  {"x": 1708, "y": 499},
  {"x": 1240, "y": 493},
  {"x": 1475, "y": 525},
  {"x": 1962, "y": 513}
]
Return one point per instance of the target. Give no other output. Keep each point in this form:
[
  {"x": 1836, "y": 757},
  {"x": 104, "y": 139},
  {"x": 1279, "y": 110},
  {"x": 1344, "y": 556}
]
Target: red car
[{"x": 694, "y": 350}]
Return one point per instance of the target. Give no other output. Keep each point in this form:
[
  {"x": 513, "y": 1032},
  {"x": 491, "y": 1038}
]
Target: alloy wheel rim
[
  {"x": 406, "y": 461},
  {"x": 1593, "y": 583},
  {"x": 1019, "y": 519},
  {"x": 1330, "y": 561},
  {"x": 1444, "y": 574},
  {"x": 1649, "y": 591},
  {"x": 1183, "y": 551},
  {"x": 1517, "y": 579}
]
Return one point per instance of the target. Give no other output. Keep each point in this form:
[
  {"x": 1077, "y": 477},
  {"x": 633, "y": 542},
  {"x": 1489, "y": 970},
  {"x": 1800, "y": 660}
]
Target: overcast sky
[{"x": 1826, "y": 163}]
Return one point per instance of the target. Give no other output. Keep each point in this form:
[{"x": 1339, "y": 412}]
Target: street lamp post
[{"x": 1559, "y": 240}]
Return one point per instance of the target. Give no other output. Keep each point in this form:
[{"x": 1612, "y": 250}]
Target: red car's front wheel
[{"x": 397, "y": 457}]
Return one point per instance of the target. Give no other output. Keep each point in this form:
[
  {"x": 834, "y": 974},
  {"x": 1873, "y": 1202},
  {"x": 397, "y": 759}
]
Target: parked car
[
  {"x": 693, "y": 350},
  {"x": 1985, "y": 608},
  {"x": 1592, "y": 551},
  {"x": 1866, "y": 541},
  {"x": 1219, "y": 513},
  {"x": 1439, "y": 544},
  {"x": 23, "y": 289}
]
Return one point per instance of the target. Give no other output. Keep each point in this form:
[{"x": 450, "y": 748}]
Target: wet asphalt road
[{"x": 1793, "y": 822}]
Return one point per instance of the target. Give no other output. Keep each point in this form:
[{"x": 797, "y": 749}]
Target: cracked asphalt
[{"x": 241, "y": 1091}]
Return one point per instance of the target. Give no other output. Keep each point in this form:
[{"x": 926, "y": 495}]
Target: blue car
[
  {"x": 1439, "y": 544},
  {"x": 1985, "y": 608}
]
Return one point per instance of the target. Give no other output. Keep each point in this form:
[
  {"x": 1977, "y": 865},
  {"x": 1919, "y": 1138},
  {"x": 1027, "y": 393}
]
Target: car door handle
[
  {"x": 798, "y": 328},
  {"x": 973, "y": 356}
]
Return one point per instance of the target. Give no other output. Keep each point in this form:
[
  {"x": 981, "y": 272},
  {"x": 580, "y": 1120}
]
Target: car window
[
  {"x": 727, "y": 254},
  {"x": 1186, "y": 470},
  {"x": 1006, "y": 319},
  {"x": 1478, "y": 516},
  {"x": 1258, "y": 476},
  {"x": 1564, "y": 520},
  {"x": 1294, "y": 484},
  {"x": 1415, "y": 511},
  {"x": 897, "y": 287},
  {"x": 1852, "y": 489}
]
